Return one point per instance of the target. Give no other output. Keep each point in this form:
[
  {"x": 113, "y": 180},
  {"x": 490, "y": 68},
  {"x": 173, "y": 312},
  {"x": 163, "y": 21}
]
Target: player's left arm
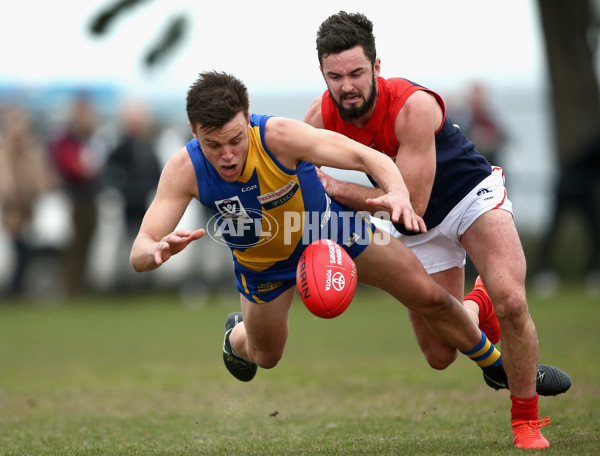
[
  {"x": 292, "y": 141},
  {"x": 416, "y": 125}
]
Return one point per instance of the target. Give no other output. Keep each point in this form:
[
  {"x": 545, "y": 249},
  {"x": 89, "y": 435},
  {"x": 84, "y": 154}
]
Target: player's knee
[
  {"x": 439, "y": 361},
  {"x": 438, "y": 354},
  {"x": 266, "y": 360},
  {"x": 510, "y": 304}
]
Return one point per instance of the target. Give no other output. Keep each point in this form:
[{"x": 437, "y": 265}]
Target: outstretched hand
[
  {"x": 398, "y": 204},
  {"x": 175, "y": 242}
]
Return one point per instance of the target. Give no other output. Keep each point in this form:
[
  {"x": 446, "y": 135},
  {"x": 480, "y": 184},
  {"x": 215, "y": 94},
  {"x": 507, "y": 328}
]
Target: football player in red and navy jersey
[{"x": 461, "y": 198}]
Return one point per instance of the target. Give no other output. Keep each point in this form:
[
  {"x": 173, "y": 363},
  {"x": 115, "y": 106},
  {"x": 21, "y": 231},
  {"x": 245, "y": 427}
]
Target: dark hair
[
  {"x": 343, "y": 31},
  {"x": 214, "y": 99}
]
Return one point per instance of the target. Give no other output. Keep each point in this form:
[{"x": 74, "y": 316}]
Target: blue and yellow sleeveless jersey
[{"x": 270, "y": 214}]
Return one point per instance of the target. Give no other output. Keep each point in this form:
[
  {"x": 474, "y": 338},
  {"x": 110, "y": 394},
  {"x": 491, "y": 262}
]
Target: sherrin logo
[{"x": 302, "y": 279}]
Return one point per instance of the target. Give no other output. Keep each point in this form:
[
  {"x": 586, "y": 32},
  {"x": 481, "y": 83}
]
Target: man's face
[
  {"x": 226, "y": 148},
  {"x": 351, "y": 82}
]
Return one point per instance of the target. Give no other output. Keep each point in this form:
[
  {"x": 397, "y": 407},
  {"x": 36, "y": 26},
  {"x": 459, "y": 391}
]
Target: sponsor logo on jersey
[
  {"x": 248, "y": 189},
  {"x": 278, "y": 197}
]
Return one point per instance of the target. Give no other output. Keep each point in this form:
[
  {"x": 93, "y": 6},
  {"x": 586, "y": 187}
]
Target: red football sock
[
  {"x": 524, "y": 409},
  {"x": 483, "y": 301}
]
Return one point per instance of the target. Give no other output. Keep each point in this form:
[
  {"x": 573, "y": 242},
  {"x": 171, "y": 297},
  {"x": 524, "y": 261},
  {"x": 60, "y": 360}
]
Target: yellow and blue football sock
[{"x": 485, "y": 354}]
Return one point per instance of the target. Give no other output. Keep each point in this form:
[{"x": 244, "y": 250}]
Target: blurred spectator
[
  {"x": 25, "y": 174},
  {"x": 79, "y": 157},
  {"x": 476, "y": 119},
  {"x": 478, "y": 122},
  {"x": 578, "y": 188},
  {"x": 133, "y": 170}
]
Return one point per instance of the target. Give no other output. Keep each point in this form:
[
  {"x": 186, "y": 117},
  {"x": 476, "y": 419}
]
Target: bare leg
[
  {"x": 493, "y": 245},
  {"x": 438, "y": 354},
  {"x": 261, "y": 337},
  {"x": 392, "y": 267}
]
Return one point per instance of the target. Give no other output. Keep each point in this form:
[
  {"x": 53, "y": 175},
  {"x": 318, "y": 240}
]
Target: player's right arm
[{"x": 158, "y": 238}]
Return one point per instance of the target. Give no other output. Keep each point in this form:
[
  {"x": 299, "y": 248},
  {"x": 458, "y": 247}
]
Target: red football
[{"x": 326, "y": 278}]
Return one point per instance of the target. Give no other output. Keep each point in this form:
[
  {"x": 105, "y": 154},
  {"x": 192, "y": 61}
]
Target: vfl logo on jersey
[
  {"x": 232, "y": 208},
  {"x": 278, "y": 197}
]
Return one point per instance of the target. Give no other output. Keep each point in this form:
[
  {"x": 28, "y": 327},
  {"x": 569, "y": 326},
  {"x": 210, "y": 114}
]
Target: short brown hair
[{"x": 214, "y": 99}]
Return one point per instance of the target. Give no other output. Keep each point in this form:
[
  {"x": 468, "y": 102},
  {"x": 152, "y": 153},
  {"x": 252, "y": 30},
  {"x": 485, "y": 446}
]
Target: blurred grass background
[{"x": 144, "y": 375}]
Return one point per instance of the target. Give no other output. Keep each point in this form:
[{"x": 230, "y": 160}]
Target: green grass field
[{"x": 144, "y": 375}]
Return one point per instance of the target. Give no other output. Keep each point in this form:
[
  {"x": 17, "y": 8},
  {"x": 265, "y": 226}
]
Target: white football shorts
[{"x": 440, "y": 249}]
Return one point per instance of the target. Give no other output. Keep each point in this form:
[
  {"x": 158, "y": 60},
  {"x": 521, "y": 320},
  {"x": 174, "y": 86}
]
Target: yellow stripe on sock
[
  {"x": 481, "y": 352},
  {"x": 490, "y": 359}
]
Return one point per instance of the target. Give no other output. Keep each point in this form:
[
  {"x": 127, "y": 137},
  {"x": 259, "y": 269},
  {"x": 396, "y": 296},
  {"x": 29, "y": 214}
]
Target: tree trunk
[{"x": 567, "y": 27}]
